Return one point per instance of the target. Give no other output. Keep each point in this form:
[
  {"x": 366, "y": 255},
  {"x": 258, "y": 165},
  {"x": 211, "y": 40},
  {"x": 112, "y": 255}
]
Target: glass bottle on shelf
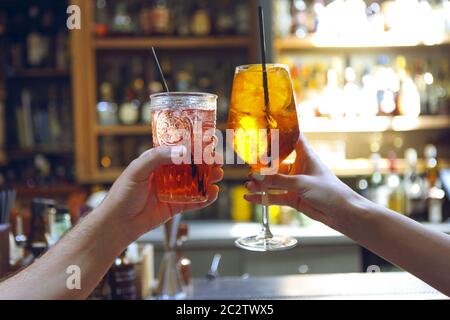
[
  {"x": 376, "y": 186},
  {"x": 435, "y": 194},
  {"x": 160, "y": 15},
  {"x": 122, "y": 279},
  {"x": 351, "y": 93},
  {"x": 102, "y": 18},
  {"x": 300, "y": 19},
  {"x": 408, "y": 99},
  {"x": 224, "y": 22},
  {"x": 106, "y": 108},
  {"x": 110, "y": 153},
  {"x": 129, "y": 109},
  {"x": 387, "y": 86},
  {"x": 414, "y": 188},
  {"x": 396, "y": 200},
  {"x": 369, "y": 105},
  {"x": 242, "y": 16},
  {"x": 55, "y": 130},
  {"x": 182, "y": 14},
  {"x": 145, "y": 17},
  {"x": 283, "y": 18},
  {"x": 201, "y": 20},
  {"x": 123, "y": 23},
  {"x": 37, "y": 44}
]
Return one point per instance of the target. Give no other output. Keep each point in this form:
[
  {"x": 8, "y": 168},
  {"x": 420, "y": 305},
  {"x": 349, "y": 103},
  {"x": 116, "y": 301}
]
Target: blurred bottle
[
  {"x": 123, "y": 23},
  {"x": 182, "y": 15},
  {"x": 160, "y": 17},
  {"x": 300, "y": 18},
  {"x": 388, "y": 85},
  {"x": 396, "y": 200},
  {"x": 102, "y": 27},
  {"x": 122, "y": 279},
  {"x": 408, "y": 99},
  {"x": 242, "y": 18},
  {"x": 37, "y": 42},
  {"x": 110, "y": 153},
  {"x": 107, "y": 110},
  {"x": 414, "y": 188},
  {"x": 241, "y": 210},
  {"x": 351, "y": 93},
  {"x": 224, "y": 22},
  {"x": 369, "y": 103},
  {"x": 283, "y": 17},
  {"x": 201, "y": 19},
  {"x": 435, "y": 193},
  {"x": 184, "y": 264},
  {"x": 39, "y": 233},
  {"x": 377, "y": 190},
  {"x": 145, "y": 17}
]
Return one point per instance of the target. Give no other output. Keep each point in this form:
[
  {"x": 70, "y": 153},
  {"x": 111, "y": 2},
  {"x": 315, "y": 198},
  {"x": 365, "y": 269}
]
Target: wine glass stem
[{"x": 265, "y": 232}]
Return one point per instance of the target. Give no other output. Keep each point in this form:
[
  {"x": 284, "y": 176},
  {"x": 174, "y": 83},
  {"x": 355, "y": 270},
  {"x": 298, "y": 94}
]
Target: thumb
[{"x": 140, "y": 168}]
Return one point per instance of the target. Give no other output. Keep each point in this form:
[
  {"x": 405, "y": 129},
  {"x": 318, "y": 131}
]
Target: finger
[
  {"x": 140, "y": 168},
  {"x": 269, "y": 199},
  {"x": 212, "y": 192},
  {"x": 295, "y": 183},
  {"x": 216, "y": 175}
]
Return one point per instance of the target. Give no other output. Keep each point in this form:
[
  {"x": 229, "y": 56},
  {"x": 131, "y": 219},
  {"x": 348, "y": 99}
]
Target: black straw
[
  {"x": 160, "y": 70},
  {"x": 262, "y": 38}
]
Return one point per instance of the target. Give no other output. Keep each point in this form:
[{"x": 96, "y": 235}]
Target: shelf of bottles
[
  {"x": 37, "y": 101},
  {"x": 126, "y": 74}
]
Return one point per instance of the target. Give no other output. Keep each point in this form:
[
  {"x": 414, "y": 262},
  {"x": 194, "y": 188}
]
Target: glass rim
[
  {"x": 270, "y": 65},
  {"x": 179, "y": 94}
]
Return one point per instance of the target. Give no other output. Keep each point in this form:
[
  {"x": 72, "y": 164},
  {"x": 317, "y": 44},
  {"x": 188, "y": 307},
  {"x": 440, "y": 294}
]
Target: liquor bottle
[
  {"x": 122, "y": 279},
  {"x": 39, "y": 234},
  {"x": 435, "y": 194},
  {"x": 396, "y": 200},
  {"x": 145, "y": 17},
  {"x": 184, "y": 264},
  {"x": 224, "y": 22},
  {"x": 110, "y": 154},
  {"x": 129, "y": 109},
  {"x": 106, "y": 108},
  {"x": 182, "y": 15},
  {"x": 332, "y": 103},
  {"x": 160, "y": 16},
  {"x": 102, "y": 27},
  {"x": 300, "y": 19},
  {"x": 166, "y": 66},
  {"x": 242, "y": 16},
  {"x": 62, "y": 53},
  {"x": 414, "y": 188},
  {"x": 282, "y": 14},
  {"x": 408, "y": 99},
  {"x": 369, "y": 105},
  {"x": 387, "y": 85},
  {"x": 123, "y": 23},
  {"x": 201, "y": 20},
  {"x": 351, "y": 93},
  {"x": 20, "y": 237},
  {"x": 37, "y": 44},
  {"x": 376, "y": 186}
]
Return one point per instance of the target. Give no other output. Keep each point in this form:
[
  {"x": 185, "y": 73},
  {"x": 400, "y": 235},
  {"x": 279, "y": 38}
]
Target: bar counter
[
  {"x": 372, "y": 286},
  {"x": 320, "y": 250}
]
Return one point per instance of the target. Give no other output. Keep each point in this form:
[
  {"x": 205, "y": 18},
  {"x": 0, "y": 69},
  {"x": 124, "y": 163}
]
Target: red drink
[{"x": 183, "y": 119}]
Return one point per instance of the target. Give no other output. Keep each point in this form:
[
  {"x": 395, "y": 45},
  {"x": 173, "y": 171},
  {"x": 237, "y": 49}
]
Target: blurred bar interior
[{"x": 372, "y": 81}]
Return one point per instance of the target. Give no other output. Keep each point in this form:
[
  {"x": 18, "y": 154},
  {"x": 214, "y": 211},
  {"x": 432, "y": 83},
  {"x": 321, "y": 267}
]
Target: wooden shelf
[
  {"x": 314, "y": 42},
  {"x": 123, "y": 130},
  {"x": 373, "y": 124},
  {"x": 190, "y": 43},
  {"x": 39, "y": 73}
]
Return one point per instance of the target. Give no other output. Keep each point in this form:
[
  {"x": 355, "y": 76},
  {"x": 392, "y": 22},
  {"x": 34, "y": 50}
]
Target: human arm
[
  {"x": 314, "y": 190},
  {"x": 130, "y": 209}
]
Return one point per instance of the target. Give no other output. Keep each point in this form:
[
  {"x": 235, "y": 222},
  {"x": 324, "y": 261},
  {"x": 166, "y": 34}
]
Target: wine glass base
[{"x": 258, "y": 243}]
